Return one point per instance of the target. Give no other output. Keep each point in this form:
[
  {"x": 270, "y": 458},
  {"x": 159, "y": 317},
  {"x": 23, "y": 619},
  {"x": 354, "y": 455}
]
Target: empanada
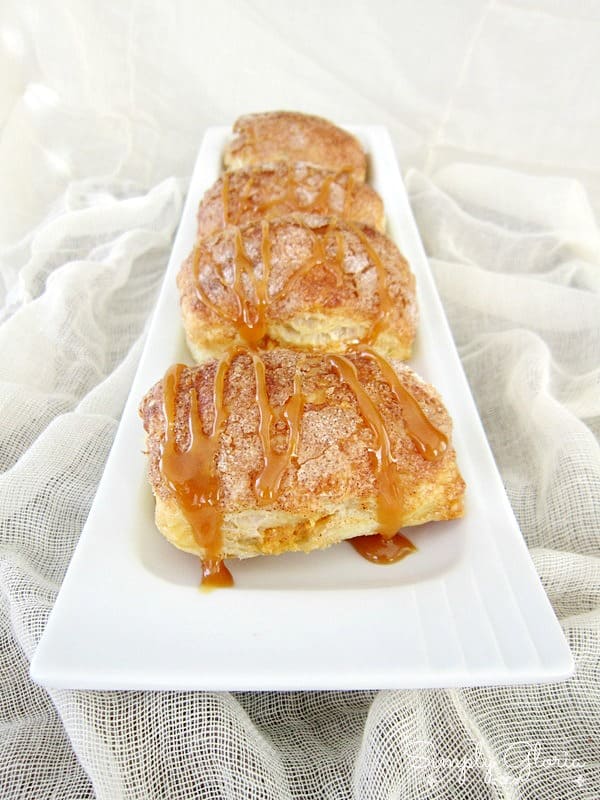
[
  {"x": 285, "y": 450},
  {"x": 299, "y": 281}
]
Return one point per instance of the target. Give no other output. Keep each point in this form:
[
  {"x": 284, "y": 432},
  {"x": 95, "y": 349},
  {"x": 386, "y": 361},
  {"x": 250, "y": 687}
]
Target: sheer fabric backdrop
[{"x": 495, "y": 114}]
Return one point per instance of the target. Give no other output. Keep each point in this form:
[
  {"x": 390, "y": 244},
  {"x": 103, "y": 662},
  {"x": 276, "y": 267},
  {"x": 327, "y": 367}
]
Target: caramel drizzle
[
  {"x": 225, "y": 198},
  {"x": 190, "y": 474},
  {"x": 385, "y": 301},
  {"x": 250, "y": 316},
  {"x": 267, "y": 486},
  {"x": 288, "y": 199},
  {"x": 430, "y": 442},
  {"x": 349, "y": 195},
  {"x": 318, "y": 257},
  {"x": 388, "y": 497}
]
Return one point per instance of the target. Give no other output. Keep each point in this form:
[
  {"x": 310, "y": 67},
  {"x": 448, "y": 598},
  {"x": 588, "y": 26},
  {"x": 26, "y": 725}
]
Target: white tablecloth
[{"x": 494, "y": 108}]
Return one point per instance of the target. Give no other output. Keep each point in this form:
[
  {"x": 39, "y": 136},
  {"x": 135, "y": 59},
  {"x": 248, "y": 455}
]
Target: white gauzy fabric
[
  {"x": 494, "y": 105},
  {"x": 523, "y": 298}
]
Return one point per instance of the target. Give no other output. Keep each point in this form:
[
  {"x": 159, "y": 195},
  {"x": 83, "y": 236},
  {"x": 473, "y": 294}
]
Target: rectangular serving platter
[{"x": 466, "y": 609}]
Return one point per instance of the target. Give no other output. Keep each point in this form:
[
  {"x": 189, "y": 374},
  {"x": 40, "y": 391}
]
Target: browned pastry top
[
  {"x": 291, "y": 136},
  {"x": 286, "y": 429},
  {"x": 246, "y": 195},
  {"x": 239, "y": 280}
]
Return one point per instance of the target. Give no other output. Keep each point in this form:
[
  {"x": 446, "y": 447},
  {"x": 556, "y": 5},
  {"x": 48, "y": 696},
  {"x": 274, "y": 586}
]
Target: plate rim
[{"x": 554, "y": 664}]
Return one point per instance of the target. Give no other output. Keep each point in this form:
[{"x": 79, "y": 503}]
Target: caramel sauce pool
[
  {"x": 215, "y": 575},
  {"x": 379, "y": 550}
]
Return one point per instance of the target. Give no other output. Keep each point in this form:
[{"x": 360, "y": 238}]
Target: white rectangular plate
[{"x": 466, "y": 609}]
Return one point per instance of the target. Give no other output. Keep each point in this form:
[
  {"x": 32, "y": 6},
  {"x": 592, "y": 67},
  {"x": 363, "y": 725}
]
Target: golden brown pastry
[
  {"x": 290, "y": 136},
  {"x": 265, "y": 453},
  {"x": 283, "y": 450},
  {"x": 253, "y": 193},
  {"x": 301, "y": 281}
]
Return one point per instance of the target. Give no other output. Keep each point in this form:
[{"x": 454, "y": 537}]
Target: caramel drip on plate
[
  {"x": 191, "y": 475},
  {"x": 215, "y": 574},
  {"x": 429, "y": 441},
  {"x": 268, "y": 484},
  {"x": 379, "y": 550}
]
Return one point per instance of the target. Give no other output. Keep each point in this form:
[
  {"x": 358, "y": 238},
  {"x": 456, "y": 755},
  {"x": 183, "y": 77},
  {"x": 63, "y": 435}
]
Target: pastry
[
  {"x": 285, "y": 450},
  {"x": 289, "y": 136},
  {"x": 246, "y": 195},
  {"x": 302, "y": 281}
]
